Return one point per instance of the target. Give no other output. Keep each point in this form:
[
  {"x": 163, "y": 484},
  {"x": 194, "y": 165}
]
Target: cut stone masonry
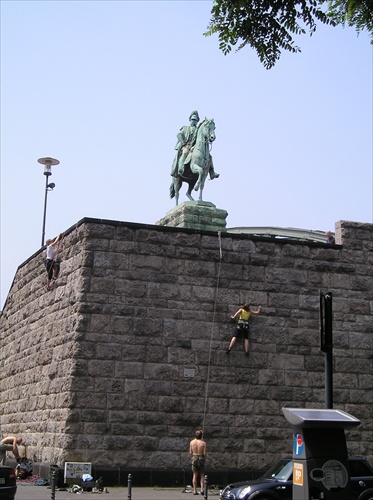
[{"x": 125, "y": 357}]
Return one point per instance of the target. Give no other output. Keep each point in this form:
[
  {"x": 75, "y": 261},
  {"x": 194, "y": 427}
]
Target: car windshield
[{"x": 282, "y": 470}]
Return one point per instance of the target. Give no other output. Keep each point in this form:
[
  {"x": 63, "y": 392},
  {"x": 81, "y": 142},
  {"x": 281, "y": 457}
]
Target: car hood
[{"x": 252, "y": 482}]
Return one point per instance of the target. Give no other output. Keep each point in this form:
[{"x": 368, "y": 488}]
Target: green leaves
[
  {"x": 268, "y": 26},
  {"x": 358, "y": 13}
]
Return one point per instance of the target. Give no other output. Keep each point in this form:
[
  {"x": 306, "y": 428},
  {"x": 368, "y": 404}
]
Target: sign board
[
  {"x": 335, "y": 475},
  {"x": 298, "y": 445},
  {"x": 298, "y": 474},
  {"x": 75, "y": 470}
]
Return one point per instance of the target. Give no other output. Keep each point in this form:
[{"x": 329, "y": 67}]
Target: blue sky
[{"x": 104, "y": 86}]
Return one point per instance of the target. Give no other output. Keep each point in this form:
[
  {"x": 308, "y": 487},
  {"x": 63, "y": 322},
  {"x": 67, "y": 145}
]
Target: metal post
[
  {"x": 205, "y": 487},
  {"x": 326, "y": 332},
  {"x": 129, "y": 486},
  {"x": 47, "y": 162},
  {"x": 53, "y": 493},
  {"x": 45, "y": 209},
  {"x": 329, "y": 378}
]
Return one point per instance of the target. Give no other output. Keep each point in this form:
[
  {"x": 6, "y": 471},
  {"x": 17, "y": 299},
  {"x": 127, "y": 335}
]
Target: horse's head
[{"x": 207, "y": 129}]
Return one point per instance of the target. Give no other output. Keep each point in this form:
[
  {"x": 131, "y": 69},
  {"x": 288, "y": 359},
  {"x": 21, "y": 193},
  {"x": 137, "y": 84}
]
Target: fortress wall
[{"x": 125, "y": 358}]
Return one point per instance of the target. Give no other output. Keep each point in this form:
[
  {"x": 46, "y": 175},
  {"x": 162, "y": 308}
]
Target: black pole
[
  {"x": 326, "y": 332},
  {"x": 205, "y": 486},
  {"x": 53, "y": 494},
  {"x": 129, "y": 486},
  {"x": 45, "y": 207},
  {"x": 329, "y": 378}
]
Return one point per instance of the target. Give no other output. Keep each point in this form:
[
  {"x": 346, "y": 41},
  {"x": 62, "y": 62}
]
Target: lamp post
[{"x": 47, "y": 162}]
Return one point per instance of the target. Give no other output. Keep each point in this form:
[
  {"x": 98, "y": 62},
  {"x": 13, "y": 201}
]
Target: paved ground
[{"x": 28, "y": 491}]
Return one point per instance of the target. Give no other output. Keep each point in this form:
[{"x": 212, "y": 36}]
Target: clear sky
[{"x": 104, "y": 86}]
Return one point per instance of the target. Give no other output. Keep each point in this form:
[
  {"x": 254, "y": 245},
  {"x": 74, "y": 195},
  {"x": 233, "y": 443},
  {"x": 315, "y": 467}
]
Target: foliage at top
[
  {"x": 357, "y": 13},
  {"x": 268, "y": 26}
]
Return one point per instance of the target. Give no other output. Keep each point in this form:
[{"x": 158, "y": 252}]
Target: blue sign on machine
[{"x": 298, "y": 445}]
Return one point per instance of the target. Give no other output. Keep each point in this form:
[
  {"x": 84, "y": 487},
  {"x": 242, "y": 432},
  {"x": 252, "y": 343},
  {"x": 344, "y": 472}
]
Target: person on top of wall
[
  {"x": 51, "y": 264},
  {"x": 9, "y": 443},
  {"x": 197, "y": 449},
  {"x": 329, "y": 238},
  {"x": 242, "y": 327}
]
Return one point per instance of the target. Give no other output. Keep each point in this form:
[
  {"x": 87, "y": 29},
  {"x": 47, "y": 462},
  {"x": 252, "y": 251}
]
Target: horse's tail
[{"x": 172, "y": 190}]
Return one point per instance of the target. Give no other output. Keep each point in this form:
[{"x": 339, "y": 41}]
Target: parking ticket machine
[{"x": 320, "y": 467}]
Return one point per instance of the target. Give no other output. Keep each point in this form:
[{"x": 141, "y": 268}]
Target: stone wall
[{"x": 125, "y": 358}]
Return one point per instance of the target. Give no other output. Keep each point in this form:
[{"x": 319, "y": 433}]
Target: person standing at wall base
[{"x": 197, "y": 449}]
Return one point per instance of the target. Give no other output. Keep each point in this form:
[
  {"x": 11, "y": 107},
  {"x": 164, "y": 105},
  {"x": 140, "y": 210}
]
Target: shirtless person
[
  {"x": 9, "y": 444},
  {"x": 197, "y": 449}
]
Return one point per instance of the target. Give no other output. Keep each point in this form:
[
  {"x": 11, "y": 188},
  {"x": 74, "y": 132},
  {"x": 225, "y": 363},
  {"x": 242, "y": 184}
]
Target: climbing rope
[{"x": 212, "y": 332}]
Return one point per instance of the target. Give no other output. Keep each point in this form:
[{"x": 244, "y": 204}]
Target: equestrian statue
[{"x": 193, "y": 160}]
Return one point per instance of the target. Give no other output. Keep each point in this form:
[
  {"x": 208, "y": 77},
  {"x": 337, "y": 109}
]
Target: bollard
[
  {"x": 205, "y": 487},
  {"x": 129, "y": 486},
  {"x": 53, "y": 494}
]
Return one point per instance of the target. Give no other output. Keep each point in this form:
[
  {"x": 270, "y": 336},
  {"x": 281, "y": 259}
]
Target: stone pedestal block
[{"x": 200, "y": 215}]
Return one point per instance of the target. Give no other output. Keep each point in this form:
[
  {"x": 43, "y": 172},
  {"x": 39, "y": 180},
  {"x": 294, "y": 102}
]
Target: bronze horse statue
[{"x": 197, "y": 164}]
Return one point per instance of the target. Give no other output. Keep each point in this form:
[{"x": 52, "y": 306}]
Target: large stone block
[{"x": 199, "y": 215}]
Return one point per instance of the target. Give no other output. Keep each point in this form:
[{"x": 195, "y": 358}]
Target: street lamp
[{"x": 47, "y": 162}]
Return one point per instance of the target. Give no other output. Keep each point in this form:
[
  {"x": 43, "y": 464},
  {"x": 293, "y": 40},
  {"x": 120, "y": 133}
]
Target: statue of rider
[{"x": 186, "y": 139}]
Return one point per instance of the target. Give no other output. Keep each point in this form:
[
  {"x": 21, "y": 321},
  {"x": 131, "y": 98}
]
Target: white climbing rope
[{"x": 212, "y": 332}]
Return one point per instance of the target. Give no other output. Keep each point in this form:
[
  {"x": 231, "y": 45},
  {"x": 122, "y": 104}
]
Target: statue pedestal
[{"x": 201, "y": 215}]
